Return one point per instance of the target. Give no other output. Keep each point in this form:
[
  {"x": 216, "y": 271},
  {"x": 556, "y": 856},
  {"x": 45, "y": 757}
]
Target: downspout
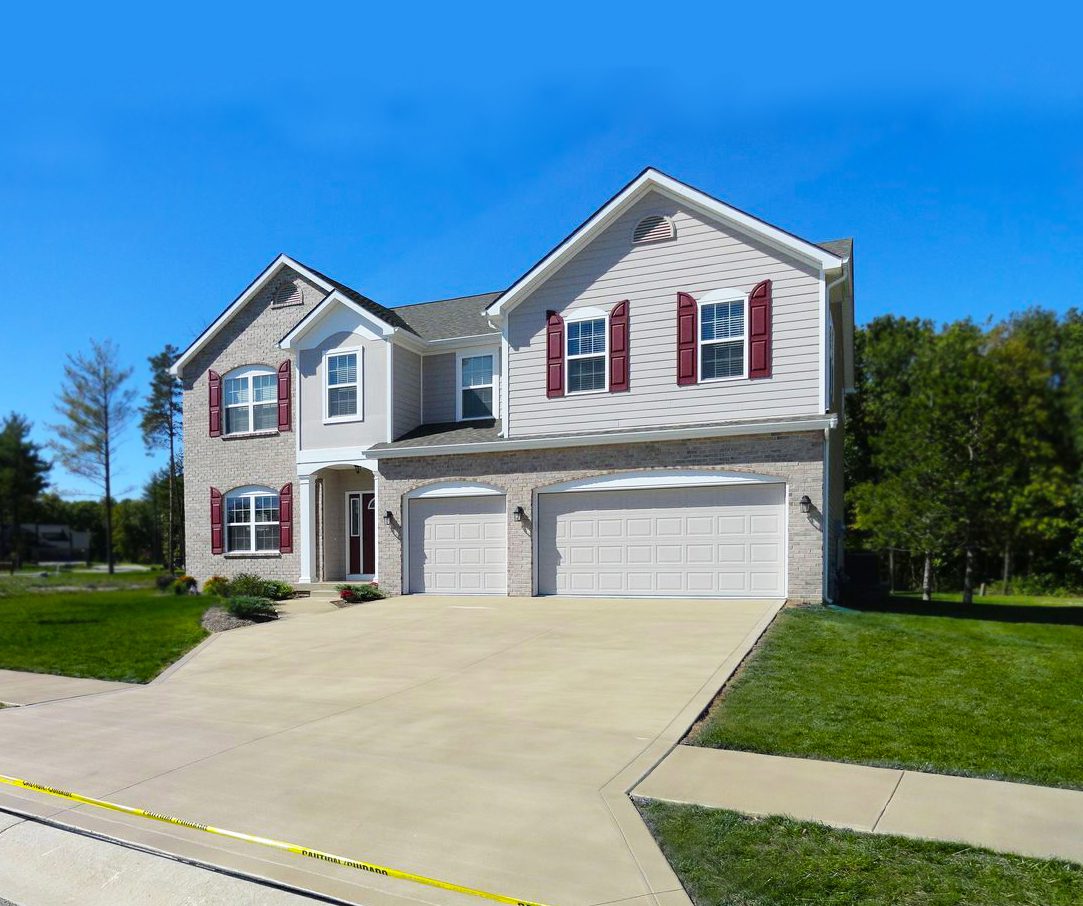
[{"x": 827, "y": 540}]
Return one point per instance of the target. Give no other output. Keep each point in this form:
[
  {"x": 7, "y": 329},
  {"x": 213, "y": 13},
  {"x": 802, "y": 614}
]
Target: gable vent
[
  {"x": 287, "y": 294},
  {"x": 653, "y": 229}
]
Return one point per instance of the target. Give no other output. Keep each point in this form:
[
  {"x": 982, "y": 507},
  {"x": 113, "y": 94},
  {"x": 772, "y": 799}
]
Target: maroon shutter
[
  {"x": 759, "y": 330},
  {"x": 554, "y": 355},
  {"x": 214, "y": 389},
  {"x": 285, "y": 519},
  {"x": 285, "y": 410},
  {"x": 618, "y": 347},
  {"x": 686, "y": 339},
  {"x": 217, "y": 528}
]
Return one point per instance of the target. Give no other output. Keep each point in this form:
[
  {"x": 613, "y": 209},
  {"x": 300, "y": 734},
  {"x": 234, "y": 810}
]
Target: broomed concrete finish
[
  {"x": 19, "y": 688},
  {"x": 488, "y": 742},
  {"x": 1011, "y": 817},
  {"x": 47, "y": 866}
]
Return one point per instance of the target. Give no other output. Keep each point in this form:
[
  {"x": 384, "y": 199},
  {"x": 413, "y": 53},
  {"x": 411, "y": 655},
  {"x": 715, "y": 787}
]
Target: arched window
[
  {"x": 252, "y": 519},
  {"x": 250, "y": 395}
]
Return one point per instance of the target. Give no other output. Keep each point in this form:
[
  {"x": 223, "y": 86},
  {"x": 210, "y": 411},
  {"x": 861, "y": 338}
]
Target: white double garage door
[{"x": 703, "y": 541}]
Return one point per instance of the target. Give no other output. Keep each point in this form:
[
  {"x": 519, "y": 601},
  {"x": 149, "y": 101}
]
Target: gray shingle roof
[
  {"x": 388, "y": 315},
  {"x": 844, "y": 248},
  {"x": 444, "y": 318},
  {"x": 448, "y": 433}
]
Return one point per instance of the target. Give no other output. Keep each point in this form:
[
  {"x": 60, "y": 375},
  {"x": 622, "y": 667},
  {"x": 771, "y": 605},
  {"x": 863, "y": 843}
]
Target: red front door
[{"x": 361, "y": 531}]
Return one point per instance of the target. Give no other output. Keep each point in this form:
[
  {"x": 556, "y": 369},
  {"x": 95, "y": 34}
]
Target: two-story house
[{"x": 654, "y": 409}]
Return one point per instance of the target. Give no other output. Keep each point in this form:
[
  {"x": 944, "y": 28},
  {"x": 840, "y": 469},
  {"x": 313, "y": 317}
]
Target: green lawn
[
  {"x": 982, "y": 692},
  {"x": 112, "y": 635},
  {"x": 948, "y": 597},
  {"x": 726, "y": 858},
  {"x": 28, "y": 580}
]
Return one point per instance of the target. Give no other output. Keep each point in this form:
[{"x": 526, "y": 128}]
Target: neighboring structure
[
  {"x": 47, "y": 542},
  {"x": 654, "y": 409}
]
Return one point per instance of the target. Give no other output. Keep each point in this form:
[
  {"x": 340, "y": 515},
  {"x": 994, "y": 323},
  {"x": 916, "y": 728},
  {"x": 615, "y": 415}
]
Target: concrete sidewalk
[
  {"x": 19, "y": 688},
  {"x": 1011, "y": 817}
]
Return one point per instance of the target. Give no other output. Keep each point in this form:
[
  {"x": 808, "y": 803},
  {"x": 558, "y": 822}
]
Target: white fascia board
[
  {"x": 309, "y": 321},
  {"x": 652, "y": 179},
  {"x": 253, "y": 288},
  {"x": 309, "y": 461},
  {"x": 736, "y": 429}
]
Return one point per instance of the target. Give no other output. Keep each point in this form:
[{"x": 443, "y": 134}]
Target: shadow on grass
[{"x": 1003, "y": 613}]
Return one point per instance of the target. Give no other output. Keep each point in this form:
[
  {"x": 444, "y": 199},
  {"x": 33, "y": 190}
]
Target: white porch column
[{"x": 307, "y": 524}]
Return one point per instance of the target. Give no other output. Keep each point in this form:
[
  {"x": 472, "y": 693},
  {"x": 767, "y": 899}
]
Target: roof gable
[{"x": 654, "y": 180}]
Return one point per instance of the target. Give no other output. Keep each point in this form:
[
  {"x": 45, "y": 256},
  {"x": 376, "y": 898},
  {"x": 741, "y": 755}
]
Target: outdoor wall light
[
  {"x": 387, "y": 517},
  {"x": 806, "y": 503},
  {"x": 518, "y": 513}
]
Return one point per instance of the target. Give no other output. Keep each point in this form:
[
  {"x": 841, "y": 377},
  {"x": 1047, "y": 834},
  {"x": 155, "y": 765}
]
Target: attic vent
[
  {"x": 653, "y": 229},
  {"x": 287, "y": 294}
]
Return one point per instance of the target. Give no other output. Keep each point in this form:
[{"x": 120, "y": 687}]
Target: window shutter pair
[
  {"x": 285, "y": 520},
  {"x": 759, "y": 335},
  {"x": 285, "y": 409},
  {"x": 617, "y": 351}
]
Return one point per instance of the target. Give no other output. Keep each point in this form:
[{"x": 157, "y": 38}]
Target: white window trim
[
  {"x": 578, "y": 318},
  {"x": 359, "y": 416},
  {"x": 713, "y": 298},
  {"x": 494, "y": 354},
  {"x": 248, "y": 372},
  {"x": 251, "y": 491}
]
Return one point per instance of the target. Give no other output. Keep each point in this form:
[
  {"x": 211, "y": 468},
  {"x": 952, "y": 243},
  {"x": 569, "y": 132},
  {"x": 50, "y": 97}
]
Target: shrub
[
  {"x": 354, "y": 594},
  {"x": 164, "y": 581},
  {"x": 183, "y": 585},
  {"x": 217, "y": 586},
  {"x": 276, "y": 590},
  {"x": 246, "y": 585},
  {"x": 252, "y": 607}
]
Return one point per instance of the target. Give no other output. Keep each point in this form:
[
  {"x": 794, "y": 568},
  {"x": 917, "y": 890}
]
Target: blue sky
[{"x": 153, "y": 160}]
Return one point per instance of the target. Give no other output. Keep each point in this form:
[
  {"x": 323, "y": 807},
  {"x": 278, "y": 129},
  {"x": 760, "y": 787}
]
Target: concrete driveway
[{"x": 488, "y": 742}]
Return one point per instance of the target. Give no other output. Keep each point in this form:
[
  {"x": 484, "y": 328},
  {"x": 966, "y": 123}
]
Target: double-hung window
[
  {"x": 251, "y": 400},
  {"x": 722, "y": 339},
  {"x": 476, "y": 386},
  {"x": 343, "y": 380},
  {"x": 252, "y": 520},
  {"x": 586, "y": 355}
]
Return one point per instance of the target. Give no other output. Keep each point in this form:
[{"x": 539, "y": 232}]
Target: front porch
[{"x": 337, "y": 525}]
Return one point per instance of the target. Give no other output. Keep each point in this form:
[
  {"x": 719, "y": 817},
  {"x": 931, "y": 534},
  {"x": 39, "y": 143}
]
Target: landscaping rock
[{"x": 216, "y": 619}]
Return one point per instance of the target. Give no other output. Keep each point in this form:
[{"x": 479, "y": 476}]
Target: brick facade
[
  {"x": 270, "y": 459},
  {"x": 796, "y": 458}
]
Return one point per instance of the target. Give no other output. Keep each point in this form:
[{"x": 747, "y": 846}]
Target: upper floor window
[
  {"x": 251, "y": 400},
  {"x": 586, "y": 355},
  {"x": 476, "y": 385},
  {"x": 342, "y": 393},
  {"x": 722, "y": 339},
  {"x": 252, "y": 520}
]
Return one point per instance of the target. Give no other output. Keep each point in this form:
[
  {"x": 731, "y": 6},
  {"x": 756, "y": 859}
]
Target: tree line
[
  {"x": 97, "y": 406},
  {"x": 964, "y": 446}
]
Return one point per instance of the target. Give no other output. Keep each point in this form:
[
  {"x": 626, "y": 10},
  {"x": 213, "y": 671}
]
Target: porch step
[{"x": 319, "y": 588}]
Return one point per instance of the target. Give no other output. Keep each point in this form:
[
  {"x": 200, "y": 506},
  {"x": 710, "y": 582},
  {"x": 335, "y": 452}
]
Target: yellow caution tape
[{"x": 370, "y": 867}]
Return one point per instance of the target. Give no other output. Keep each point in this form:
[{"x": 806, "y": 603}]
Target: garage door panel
[
  {"x": 709, "y": 541},
  {"x": 458, "y": 545}
]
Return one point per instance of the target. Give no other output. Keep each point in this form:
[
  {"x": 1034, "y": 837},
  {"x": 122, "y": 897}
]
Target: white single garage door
[
  {"x": 695, "y": 541},
  {"x": 458, "y": 545}
]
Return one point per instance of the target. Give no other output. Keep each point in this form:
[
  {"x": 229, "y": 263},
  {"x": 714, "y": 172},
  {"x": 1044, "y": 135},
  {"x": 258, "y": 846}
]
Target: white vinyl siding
[
  {"x": 406, "y": 390},
  {"x": 702, "y": 259},
  {"x": 439, "y": 388}
]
